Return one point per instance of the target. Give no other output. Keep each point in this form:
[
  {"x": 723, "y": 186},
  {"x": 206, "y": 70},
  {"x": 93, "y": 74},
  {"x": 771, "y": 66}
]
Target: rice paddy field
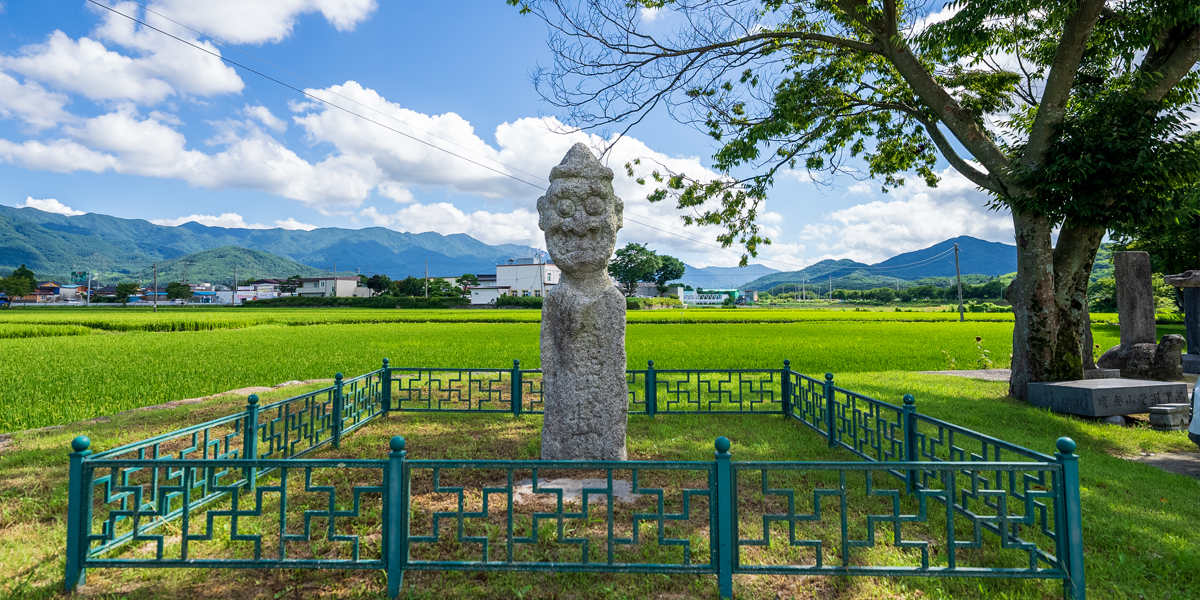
[{"x": 60, "y": 365}]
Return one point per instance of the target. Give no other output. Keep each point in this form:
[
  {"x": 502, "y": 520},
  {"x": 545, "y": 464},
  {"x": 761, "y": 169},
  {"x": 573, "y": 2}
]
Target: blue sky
[{"x": 98, "y": 114}]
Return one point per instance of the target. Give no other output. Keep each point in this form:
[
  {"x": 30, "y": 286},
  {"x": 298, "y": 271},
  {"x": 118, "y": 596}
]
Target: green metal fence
[{"x": 241, "y": 492}]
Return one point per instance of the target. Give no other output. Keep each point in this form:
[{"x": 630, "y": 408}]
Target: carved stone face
[{"x": 580, "y": 214}]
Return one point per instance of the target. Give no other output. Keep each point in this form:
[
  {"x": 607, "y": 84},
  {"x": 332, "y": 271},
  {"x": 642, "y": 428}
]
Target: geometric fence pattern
[{"x": 241, "y": 492}]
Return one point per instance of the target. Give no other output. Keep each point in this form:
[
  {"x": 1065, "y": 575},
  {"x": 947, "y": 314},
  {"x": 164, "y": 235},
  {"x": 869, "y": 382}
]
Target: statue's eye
[
  {"x": 565, "y": 208},
  {"x": 594, "y": 205}
]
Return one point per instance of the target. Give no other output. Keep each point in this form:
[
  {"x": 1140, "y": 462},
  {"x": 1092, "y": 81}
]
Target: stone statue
[{"x": 583, "y": 317}]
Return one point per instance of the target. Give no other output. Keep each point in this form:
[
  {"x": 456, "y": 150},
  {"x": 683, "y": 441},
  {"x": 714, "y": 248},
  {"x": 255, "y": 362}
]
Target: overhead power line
[
  {"x": 225, "y": 44},
  {"x": 309, "y": 95},
  {"x": 538, "y": 186}
]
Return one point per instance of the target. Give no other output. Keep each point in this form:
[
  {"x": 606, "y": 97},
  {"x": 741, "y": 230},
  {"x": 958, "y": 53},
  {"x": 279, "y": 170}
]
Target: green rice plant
[{"x": 29, "y": 330}]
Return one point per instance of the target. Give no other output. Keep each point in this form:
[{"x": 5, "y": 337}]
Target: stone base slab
[
  {"x": 1170, "y": 417},
  {"x": 1106, "y": 397},
  {"x": 1191, "y": 363},
  {"x": 1101, "y": 373}
]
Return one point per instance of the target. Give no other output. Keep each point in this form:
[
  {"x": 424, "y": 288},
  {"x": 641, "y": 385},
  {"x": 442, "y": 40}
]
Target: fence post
[
  {"x": 337, "y": 410},
  {"x": 518, "y": 404},
  {"x": 1073, "y": 587},
  {"x": 651, "y": 390},
  {"x": 910, "y": 439},
  {"x": 386, "y": 380},
  {"x": 250, "y": 440},
  {"x": 395, "y": 514},
  {"x": 830, "y": 411},
  {"x": 78, "y": 511},
  {"x": 725, "y": 516},
  {"x": 786, "y": 387}
]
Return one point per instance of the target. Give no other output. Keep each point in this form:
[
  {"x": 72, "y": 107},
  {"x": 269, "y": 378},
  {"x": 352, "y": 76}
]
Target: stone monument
[
  {"x": 1138, "y": 356},
  {"x": 1188, "y": 282},
  {"x": 583, "y": 317}
]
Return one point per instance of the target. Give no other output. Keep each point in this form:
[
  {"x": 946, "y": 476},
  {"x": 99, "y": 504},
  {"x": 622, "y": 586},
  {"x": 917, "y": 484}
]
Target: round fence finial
[
  {"x": 650, "y": 363},
  {"x": 397, "y": 444},
  {"x": 909, "y": 400},
  {"x": 516, "y": 363},
  {"x": 787, "y": 363},
  {"x": 253, "y": 399},
  {"x": 337, "y": 376},
  {"x": 81, "y": 443},
  {"x": 1065, "y": 445},
  {"x": 829, "y": 377},
  {"x": 722, "y": 444},
  {"x": 386, "y": 362}
]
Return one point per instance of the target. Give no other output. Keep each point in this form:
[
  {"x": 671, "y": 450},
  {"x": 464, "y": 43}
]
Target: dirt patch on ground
[{"x": 1180, "y": 463}]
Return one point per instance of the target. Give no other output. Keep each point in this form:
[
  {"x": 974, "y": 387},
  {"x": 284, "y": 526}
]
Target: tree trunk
[
  {"x": 1032, "y": 297},
  {"x": 1074, "y": 256}
]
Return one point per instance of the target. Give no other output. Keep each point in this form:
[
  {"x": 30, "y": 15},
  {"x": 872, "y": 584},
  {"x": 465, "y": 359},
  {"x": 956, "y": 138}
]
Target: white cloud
[
  {"x": 393, "y": 190},
  {"x": 861, "y": 188},
  {"x": 31, "y": 103},
  {"x": 60, "y": 156},
  {"x": 263, "y": 115},
  {"x": 946, "y": 13},
  {"x": 50, "y": 205},
  {"x": 918, "y": 217},
  {"x": 85, "y": 66},
  {"x": 292, "y": 224},
  {"x": 650, "y": 15},
  {"x": 150, "y": 148},
  {"x": 226, "y": 220},
  {"x": 516, "y": 227},
  {"x": 258, "y": 21}
]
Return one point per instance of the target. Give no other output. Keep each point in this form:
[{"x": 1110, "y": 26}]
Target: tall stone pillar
[
  {"x": 583, "y": 317},
  {"x": 1135, "y": 298},
  {"x": 1188, "y": 283}
]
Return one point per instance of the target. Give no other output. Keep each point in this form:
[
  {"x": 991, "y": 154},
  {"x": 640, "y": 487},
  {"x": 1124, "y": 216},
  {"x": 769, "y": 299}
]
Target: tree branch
[
  {"x": 1172, "y": 61},
  {"x": 1060, "y": 80},
  {"x": 979, "y": 178}
]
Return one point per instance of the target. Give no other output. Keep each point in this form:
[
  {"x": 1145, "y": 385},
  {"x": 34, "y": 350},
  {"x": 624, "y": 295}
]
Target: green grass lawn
[{"x": 1139, "y": 523}]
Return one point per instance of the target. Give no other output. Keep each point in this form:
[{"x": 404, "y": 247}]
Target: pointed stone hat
[{"x": 580, "y": 162}]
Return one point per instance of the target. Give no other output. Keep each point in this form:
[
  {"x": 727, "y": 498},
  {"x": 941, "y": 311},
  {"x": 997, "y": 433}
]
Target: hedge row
[{"x": 376, "y": 302}]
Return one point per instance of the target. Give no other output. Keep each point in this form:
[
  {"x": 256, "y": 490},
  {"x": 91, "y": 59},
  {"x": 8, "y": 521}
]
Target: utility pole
[
  {"x": 831, "y": 287},
  {"x": 233, "y": 298},
  {"x": 88, "y": 273},
  {"x": 958, "y": 275},
  {"x": 427, "y": 278},
  {"x": 156, "y": 286}
]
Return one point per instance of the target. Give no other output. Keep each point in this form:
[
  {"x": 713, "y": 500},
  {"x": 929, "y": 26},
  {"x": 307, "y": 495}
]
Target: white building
[
  {"x": 526, "y": 277},
  {"x": 323, "y": 287},
  {"x": 523, "y": 277}
]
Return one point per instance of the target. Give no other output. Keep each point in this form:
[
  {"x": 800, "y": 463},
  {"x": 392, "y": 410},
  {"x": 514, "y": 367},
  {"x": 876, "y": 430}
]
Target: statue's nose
[{"x": 581, "y": 224}]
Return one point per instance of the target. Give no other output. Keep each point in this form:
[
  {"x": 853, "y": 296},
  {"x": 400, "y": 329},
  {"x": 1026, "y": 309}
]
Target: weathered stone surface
[
  {"x": 1159, "y": 362},
  {"x": 572, "y": 491},
  {"x": 1114, "y": 420},
  {"x": 1105, "y": 397},
  {"x": 1170, "y": 417},
  {"x": 1135, "y": 297},
  {"x": 1186, "y": 279},
  {"x": 1101, "y": 373},
  {"x": 583, "y": 317},
  {"x": 1191, "y": 320},
  {"x": 1191, "y": 363}
]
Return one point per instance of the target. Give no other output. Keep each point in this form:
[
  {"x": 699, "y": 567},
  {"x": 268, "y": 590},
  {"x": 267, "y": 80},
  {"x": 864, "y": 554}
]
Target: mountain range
[
  {"x": 976, "y": 257},
  {"x": 54, "y": 245}
]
